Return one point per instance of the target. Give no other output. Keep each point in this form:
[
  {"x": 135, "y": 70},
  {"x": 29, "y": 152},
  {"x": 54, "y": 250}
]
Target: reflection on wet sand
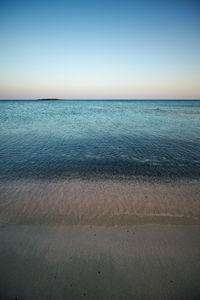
[{"x": 78, "y": 202}]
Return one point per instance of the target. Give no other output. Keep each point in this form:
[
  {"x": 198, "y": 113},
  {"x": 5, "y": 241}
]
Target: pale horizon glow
[{"x": 100, "y": 50}]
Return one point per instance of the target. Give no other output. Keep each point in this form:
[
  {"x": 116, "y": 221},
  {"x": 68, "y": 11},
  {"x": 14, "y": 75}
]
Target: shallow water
[
  {"x": 99, "y": 162},
  {"x": 99, "y": 139},
  {"x": 107, "y": 203}
]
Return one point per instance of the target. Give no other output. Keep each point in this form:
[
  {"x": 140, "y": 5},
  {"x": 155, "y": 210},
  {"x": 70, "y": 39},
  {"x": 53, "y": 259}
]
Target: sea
[{"x": 76, "y": 149}]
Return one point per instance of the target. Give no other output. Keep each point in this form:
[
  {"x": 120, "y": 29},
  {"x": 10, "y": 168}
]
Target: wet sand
[
  {"x": 91, "y": 240},
  {"x": 110, "y": 203},
  {"x": 88, "y": 262}
]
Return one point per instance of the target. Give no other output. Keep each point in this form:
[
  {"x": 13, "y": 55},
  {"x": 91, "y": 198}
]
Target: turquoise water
[{"x": 99, "y": 139}]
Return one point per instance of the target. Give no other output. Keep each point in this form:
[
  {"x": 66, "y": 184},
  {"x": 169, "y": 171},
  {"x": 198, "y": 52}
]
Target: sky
[{"x": 109, "y": 49}]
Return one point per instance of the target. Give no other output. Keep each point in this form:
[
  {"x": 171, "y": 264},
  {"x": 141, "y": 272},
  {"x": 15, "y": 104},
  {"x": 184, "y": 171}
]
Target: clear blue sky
[{"x": 100, "y": 49}]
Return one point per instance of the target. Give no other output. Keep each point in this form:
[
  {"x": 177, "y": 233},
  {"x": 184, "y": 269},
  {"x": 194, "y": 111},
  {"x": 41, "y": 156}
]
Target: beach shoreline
[
  {"x": 101, "y": 203},
  {"x": 104, "y": 240}
]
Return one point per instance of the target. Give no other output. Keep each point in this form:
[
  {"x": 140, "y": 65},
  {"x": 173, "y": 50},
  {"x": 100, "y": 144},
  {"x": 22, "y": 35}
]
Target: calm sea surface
[{"x": 99, "y": 139}]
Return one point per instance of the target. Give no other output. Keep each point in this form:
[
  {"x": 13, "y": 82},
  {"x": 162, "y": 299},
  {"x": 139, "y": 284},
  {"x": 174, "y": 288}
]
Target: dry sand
[{"x": 88, "y": 262}]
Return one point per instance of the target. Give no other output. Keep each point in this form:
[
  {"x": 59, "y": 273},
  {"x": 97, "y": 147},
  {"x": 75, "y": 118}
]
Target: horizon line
[{"x": 95, "y": 99}]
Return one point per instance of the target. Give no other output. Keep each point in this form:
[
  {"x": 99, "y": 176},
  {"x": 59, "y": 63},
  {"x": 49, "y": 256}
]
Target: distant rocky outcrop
[{"x": 49, "y": 99}]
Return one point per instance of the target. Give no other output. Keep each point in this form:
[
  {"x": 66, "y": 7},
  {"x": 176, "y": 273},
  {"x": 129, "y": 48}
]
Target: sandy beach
[
  {"x": 106, "y": 202},
  {"x": 99, "y": 240},
  {"x": 100, "y": 150},
  {"x": 88, "y": 262}
]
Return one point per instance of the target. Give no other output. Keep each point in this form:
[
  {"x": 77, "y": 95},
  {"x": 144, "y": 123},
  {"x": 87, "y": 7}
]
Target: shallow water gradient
[{"x": 99, "y": 139}]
